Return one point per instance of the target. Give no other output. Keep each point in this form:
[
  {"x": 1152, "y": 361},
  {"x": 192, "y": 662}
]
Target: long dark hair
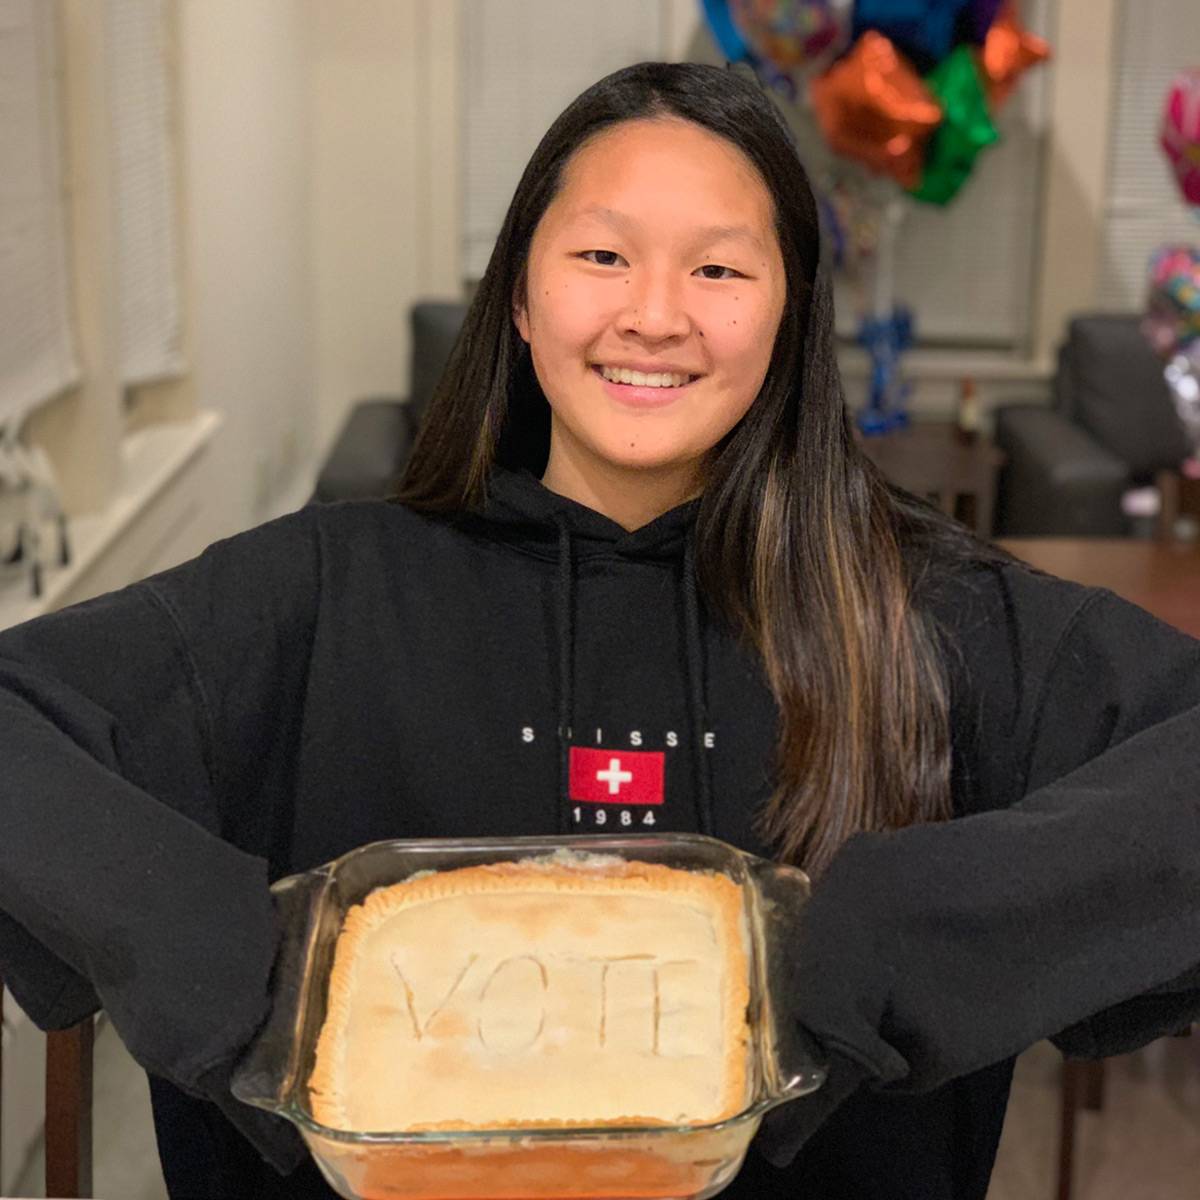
[{"x": 801, "y": 545}]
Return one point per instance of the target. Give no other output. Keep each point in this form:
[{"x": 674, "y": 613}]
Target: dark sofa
[{"x": 1111, "y": 426}]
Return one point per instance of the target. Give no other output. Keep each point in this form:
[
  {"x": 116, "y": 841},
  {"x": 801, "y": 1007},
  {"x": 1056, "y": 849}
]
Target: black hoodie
[{"x": 358, "y": 672}]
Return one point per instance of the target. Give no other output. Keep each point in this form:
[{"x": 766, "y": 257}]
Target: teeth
[{"x": 622, "y": 375}]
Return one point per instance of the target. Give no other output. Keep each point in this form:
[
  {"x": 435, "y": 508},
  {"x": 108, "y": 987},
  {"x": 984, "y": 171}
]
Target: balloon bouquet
[
  {"x": 906, "y": 89},
  {"x": 1172, "y": 321}
]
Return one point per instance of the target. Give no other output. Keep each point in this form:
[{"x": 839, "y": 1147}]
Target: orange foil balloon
[
  {"x": 873, "y": 107},
  {"x": 1008, "y": 52}
]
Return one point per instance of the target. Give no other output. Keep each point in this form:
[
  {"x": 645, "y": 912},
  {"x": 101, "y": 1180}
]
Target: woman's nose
[{"x": 656, "y": 308}]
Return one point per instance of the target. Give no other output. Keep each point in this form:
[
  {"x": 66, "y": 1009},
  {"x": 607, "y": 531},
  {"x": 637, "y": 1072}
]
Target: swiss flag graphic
[{"x": 617, "y": 776}]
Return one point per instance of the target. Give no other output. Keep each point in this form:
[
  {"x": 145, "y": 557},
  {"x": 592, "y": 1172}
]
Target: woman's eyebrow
[{"x": 704, "y": 236}]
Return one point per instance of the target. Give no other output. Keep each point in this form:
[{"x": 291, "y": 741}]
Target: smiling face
[{"x": 658, "y": 254}]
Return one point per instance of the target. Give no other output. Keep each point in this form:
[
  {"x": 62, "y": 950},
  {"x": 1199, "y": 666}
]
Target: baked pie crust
[{"x": 537, "y": 994}]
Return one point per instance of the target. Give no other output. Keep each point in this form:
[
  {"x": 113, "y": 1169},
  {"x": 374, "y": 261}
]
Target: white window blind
[
  {"x": 1155, "y": 40},
  {"x": 37, "y": 351},
  {"x": 140, "y": 95},
  {"x": 526, "y": 61}
]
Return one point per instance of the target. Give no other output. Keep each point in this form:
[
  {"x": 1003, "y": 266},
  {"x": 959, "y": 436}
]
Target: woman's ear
[{"x": 521, "y": 320}]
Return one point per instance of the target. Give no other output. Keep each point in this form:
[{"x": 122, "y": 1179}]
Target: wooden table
[
  {"x": 930, "y": 460},
  {"x": 1162, "y": 577}
]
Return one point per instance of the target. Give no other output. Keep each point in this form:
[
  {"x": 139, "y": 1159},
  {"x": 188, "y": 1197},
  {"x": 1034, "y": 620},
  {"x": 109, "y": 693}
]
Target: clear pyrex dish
[{"x": 605, "y": 1163}]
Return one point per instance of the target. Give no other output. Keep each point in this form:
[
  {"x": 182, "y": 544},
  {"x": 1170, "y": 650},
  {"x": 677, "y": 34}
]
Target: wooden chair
[{"x": 68, "y": 1139}]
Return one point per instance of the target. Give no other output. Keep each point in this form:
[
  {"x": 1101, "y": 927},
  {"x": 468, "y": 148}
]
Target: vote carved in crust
[{"x": 471, "y": 995}]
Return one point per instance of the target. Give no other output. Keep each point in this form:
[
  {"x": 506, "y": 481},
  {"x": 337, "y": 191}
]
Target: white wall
[
  {"x": 321, "y": 200},
  {"x": 365, "y": 237},
  {"x": 385, "y": 189},
  {"x": 246, "y": 78}
]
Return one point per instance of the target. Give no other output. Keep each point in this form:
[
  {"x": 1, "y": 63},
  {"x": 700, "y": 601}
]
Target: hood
[{"x": 522, "y": 511}]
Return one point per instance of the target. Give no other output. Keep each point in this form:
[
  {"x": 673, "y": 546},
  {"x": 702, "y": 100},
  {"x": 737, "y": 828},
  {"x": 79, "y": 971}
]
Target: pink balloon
[{"x": 1179, "y": 135}]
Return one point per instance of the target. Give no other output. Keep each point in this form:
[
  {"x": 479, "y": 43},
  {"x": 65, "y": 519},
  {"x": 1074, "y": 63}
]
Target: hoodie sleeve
[
  {"x": 933, "y": 951},
  {"x": 128, "y": 727}
]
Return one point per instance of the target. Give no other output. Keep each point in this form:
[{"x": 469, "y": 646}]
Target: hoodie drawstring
[
  {"x": 697, "y": 669},
  {"x": 566, "y": 672},
  {"x": 697, "y": 676}
]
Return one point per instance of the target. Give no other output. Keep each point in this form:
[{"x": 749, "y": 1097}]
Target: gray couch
[{"x": 1111, "y": 426}]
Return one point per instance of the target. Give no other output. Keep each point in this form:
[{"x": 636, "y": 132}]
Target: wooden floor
[{"x": 1143, "y": 1145}]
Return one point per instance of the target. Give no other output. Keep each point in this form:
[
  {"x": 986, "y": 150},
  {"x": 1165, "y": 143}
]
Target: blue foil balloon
[{"x": 925, "y": 30}]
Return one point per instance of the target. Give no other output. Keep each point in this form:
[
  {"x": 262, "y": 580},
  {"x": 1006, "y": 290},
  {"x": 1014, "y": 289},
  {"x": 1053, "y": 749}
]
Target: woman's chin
[{"x": 649, "y": 462}]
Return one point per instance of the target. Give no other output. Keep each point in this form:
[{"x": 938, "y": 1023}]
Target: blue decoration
[
  {"x": 727, "y": 35},
  {"x": 886, "y": 339},
  {"x": 736, "y": 49},
  {"x": 922, "y": 29}
]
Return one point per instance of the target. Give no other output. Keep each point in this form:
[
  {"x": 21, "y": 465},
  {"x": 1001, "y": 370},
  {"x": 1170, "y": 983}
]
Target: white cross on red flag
[{"x": 616, "y": 776}]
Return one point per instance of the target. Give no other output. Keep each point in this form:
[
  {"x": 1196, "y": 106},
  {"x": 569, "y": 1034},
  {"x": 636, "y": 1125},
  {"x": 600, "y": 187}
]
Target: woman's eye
[
  {"x": 609, "y": 253},
  {"x": 603, "y": 258}
]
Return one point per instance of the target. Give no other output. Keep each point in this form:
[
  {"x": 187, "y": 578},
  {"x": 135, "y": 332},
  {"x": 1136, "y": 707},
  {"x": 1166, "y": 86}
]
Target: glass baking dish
[{"x": 606, "y": 1163}]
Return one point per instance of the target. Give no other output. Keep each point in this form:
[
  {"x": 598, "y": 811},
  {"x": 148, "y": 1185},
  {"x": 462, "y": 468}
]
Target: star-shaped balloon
[
  {"x": 1008, "y": 52},
  {"x": 872, "y": 107},
  {"x": 922, "y": 29},
  {"x": 965, "y": 130}
]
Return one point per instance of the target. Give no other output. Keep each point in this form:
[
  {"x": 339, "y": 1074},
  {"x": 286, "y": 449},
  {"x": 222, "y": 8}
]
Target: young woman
[{"x": 635, "y": 521}]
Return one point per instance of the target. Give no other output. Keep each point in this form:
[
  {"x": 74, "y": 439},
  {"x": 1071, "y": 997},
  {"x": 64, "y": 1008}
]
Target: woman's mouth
[{"x": 645, "y": 395}]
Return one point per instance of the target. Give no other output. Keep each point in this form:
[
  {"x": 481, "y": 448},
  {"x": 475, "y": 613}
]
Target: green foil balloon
[{"x": 966, "y": 128}]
